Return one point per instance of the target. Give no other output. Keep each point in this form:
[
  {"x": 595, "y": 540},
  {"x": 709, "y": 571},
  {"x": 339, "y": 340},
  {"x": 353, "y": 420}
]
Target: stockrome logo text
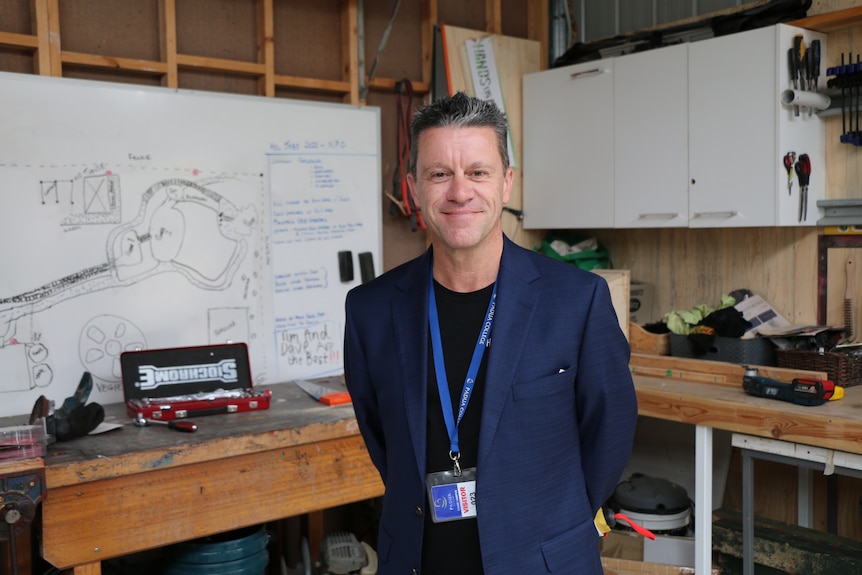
[{"x": 151, "y": 377}]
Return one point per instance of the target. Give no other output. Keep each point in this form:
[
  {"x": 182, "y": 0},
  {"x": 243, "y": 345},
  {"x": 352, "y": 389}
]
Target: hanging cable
[
  {"x": 400, "y": 196},
  {"x": 363, "y": 90}
]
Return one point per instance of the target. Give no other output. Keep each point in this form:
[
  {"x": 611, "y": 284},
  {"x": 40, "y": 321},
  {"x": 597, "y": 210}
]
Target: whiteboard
[{"x": 145, "y": 218}]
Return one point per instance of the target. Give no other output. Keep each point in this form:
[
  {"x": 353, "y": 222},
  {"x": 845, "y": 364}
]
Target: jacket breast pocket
[
  {"x": 545, "y": 408},
  {"x": 551, "y": 385}
]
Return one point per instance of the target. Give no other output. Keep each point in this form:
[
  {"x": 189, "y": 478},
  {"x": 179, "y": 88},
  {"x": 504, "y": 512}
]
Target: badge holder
[{"x": 452, "y": 497}]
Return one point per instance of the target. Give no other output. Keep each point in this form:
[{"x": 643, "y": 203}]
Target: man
[{"x": 490, "y": 383}]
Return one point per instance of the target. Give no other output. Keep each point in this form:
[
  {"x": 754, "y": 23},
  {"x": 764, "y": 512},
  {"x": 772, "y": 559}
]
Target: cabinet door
[
  {"x": 568, "y": 147},
  {"x": 651, "y": 139},
  {"x": 732, "y": 130}
]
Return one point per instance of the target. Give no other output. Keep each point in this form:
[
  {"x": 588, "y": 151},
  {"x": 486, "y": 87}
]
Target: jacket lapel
[
  {"x": 516, "y": 305},
  {"x": 411, "y": 328}
]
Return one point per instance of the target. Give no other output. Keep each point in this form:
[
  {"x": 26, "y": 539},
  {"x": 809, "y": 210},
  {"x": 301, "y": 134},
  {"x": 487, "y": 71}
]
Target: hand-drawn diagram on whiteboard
[
  {"x": 145, "y": 218},
  {"x": 190, "y": 232}
]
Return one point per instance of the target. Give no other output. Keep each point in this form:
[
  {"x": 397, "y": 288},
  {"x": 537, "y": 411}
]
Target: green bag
[{"x": 596, "y": 258}]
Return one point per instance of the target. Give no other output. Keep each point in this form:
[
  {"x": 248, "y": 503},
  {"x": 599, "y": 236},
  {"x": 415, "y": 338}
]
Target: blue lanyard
[{"x": 472, "y": 371}]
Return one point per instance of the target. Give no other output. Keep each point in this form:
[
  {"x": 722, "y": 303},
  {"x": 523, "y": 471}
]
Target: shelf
[{"x": 832, "y": 21}]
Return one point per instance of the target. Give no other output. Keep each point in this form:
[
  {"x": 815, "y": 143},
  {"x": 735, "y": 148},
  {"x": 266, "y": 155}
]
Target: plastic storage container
[{"x": 755, "y": 351}]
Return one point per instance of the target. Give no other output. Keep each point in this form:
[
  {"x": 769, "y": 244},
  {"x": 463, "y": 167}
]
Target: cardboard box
[
  {"x": 622, "y": 545},
  {"x": 668, "y": 550},
  {"x": 641, "y": 302},
  {"x": 619, "y": 283},
  {"x": 628, "y": 567}
]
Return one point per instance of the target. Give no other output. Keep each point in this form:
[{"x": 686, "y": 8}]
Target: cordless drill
[{"x": 801, "y": 391}]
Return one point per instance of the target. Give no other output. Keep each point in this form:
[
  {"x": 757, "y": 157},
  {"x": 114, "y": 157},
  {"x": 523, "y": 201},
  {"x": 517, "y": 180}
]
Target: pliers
[{"x": 803, "y": 172}]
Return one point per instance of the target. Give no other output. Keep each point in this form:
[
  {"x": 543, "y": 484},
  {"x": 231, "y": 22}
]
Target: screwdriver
[
  {"x": 186, "y": 426},
  {"x": 791, "y": 65},
  {"x": 799, "y": 61},
  {"x": 814, "y": 74},
  {"x": 813, "y": 66}
]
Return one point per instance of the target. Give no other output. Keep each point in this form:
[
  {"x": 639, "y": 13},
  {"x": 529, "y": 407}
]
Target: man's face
[{"x": 460, "y": 185}]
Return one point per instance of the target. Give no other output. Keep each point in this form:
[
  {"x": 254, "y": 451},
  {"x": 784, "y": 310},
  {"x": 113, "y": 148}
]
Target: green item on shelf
[{"x": 680, "y": 322}]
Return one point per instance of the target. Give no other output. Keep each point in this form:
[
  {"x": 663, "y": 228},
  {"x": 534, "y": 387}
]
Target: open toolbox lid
[{"x": 174, "y": 383}]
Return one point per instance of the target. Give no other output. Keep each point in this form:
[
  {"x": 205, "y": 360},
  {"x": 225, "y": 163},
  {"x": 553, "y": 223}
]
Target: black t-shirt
[{"x": 452, "y": 547}]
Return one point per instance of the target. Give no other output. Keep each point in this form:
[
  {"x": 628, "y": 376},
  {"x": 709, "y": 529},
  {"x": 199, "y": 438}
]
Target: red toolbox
[{"x": 180, "y": 382}]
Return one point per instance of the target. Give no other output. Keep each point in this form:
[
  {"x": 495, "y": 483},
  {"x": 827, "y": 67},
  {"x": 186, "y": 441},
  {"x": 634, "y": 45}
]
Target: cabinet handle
[
  {"x": 590, "y": 72},
  {"x": 659, "y": 216},
  {"x": 728, "y": 215}
]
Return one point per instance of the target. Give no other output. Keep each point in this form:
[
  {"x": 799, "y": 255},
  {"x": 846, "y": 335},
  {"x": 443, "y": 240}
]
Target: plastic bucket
[{"x": 242, "y": 552}]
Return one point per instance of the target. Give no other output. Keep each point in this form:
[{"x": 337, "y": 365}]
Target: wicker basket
[{"x": 844, "y": 369}]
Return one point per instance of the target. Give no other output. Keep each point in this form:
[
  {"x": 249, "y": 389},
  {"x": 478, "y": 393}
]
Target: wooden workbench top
[
  {"x": 833, "y": 425},
  {"x": 293, "y": 419}
]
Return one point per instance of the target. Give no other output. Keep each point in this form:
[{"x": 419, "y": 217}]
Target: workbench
[
  {"x": 139, "y": 488},
  {"x": 714, "y": 401}
]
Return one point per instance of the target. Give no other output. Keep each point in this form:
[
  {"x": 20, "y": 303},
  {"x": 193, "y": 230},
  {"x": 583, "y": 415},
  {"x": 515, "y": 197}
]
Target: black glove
[
  {"x": 725, "y": 322},
  {"x": 74, "y": 418}
]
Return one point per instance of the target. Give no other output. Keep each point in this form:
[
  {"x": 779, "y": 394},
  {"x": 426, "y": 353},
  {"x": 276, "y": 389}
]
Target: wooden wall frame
[{"x": 44, "y": 42}]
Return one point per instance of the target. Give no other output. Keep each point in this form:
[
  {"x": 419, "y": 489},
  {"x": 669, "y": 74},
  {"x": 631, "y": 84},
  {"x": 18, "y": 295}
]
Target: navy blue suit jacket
[{"x": 558, "y": 416}]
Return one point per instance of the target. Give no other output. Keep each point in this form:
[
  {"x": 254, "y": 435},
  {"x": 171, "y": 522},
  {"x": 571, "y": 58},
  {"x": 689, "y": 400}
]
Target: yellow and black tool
[{"x": 801, "y": 391}]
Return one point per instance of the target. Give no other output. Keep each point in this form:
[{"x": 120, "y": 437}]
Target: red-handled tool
[
  {"x": 323, "y": 394},
  {"x": 610, "y": 518},
  {"x": 186, "y": 426},
  {"x": 803, "y": 172}
]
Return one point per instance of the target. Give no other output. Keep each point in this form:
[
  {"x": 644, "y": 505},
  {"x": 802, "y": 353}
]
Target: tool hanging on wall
[
  {"x": 789, "y": 161},
  {"x": 803, "y": 172},
  {"x": 791, "y": 68},
  {"x": 850, "y": 333},
  {"x": 848, "y": 78},
  {"x": 400, "y": 198},
  {"x": 798, "y": 65},
  {"x": 812, "y": 57}
]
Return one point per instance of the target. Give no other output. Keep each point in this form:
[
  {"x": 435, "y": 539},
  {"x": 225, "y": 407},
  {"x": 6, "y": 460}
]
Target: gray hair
[{"x": 461, "y": 111}]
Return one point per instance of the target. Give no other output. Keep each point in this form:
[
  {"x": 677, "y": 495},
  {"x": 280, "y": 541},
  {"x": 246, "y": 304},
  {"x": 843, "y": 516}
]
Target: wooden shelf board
[
  {"x": 832, "y": 21},
  {"x": 14, "y": 40}
]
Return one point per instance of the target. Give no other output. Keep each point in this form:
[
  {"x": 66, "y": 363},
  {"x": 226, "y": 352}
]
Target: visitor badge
[{"x": 452, "y": 497}]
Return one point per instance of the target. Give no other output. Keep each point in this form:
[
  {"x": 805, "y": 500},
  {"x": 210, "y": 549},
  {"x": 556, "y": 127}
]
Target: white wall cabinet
[
  {"x": 698, "y": 137},
  {"x": 651, "y": 139},
  {"x": 739, "y": 132},
  {"x": 568, "y": 152}
]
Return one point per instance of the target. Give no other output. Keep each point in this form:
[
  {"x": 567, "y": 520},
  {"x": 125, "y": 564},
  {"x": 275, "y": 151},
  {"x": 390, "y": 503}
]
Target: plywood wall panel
[
  {"x": 117, "y": 29},
  {"x": 230, "y": 32},
  {"x": 515, "y": 19},
  {"x": 696, "y": 266},
  {"x": 14, "y": 60},
  {"x": 308, "y": 39},
  {"x": 464, "y": 14}
]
